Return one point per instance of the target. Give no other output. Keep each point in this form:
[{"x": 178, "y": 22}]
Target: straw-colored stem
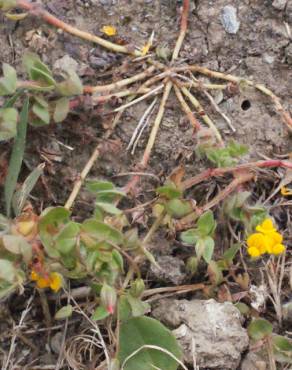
[
  {"x": 39, "y": 12},
  {"x": 196, "y": 125},
  {"x": 203, "y": 114}
]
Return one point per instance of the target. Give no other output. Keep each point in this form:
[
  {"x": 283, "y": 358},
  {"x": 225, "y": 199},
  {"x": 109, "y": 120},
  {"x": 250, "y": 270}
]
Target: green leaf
[
  {"x": 169, "y": 191},
  {"x": 108, "y": 208},
  {"x": 138, "y": 307},
  {"x": 206, "y": 224},
  {"x": 71, "y": 86},
  {"x": 7, "y": 271},
  {"x": 236, "y": 149},
  {"x": 109, "y": 196},
  {"x": 124, "y": 308},
  {"x": 61, "y": 110},
  {"x": 282, "y": 344},
  {"x": 8, "y": 83},
  {"x": 96, "y": 186},
  {"x": 66, "y": 240},
  {"x": 140, "y": 331},
  {"x": 16, "y": 157},
  {"x": 8, "y": 123},
  {"x": 21, "y": 195},
  {"x": 100, "y": 313},
  {"x": 17, "y": 244},
  {"x": 6, "y": 288},
  {"x": 51, "y": 222},
  {"x": 41, "y": 115},
  {"x": 208, "y": 248},
  {"x": 231, "y": 252},
  {"x": 12, "y": 100},
  {"x": 190, "y": 236},
  {"x": 37, "y": 70},
  {"x": 101, "y": 231},
  {"x": 242, "y": 308},
  {"x": 64, "y": 312},
  {"x": 178, "y": 208},
  {"x": 118, "y": 259},
  {"x": 259, "y": 329}
]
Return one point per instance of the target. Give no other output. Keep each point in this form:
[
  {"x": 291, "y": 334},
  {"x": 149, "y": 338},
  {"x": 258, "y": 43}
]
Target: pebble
[
  {"x": 229, "y": 19},
  {"x": 269, "y": 59}
]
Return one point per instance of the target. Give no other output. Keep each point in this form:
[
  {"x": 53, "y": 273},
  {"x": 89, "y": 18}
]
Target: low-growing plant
[{"x": 48, "y": 95}]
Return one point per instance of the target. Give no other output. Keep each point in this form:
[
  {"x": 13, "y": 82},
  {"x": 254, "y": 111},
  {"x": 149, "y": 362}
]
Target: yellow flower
[
  {"x": 257, "y": 240},
  {"x": 43, "y": 282},
  {"x": 55, "y": 281},
  {"x": 145, "y": 49},
  {"x": 266, "y": 240},
  {"x": 109, "y": 30},
  {"x": 286, "y": 191},
  {"x": 34, "y": 276},
  {"x": 266, "y": 226},
  {"x": 278, "y": 249},
  {"x": 253, "y": 252}
]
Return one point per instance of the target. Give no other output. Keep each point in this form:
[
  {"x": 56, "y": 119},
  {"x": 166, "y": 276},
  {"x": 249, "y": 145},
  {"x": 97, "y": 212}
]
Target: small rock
[
  {"x": 66, "y": 63},
  {"x": 172, "y": 270},
  {"x": 214, "y": 327},
  {"x": 279, "y": 4},
  {"x": 269, "y": 59},
  {"x": 229, "y": 19},
  {"x": 56, "y": 342},
  {"x": 253, "y": 362}
]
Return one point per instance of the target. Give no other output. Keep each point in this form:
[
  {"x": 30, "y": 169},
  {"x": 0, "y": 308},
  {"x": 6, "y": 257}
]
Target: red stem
[{"x": 214, "y": 172}]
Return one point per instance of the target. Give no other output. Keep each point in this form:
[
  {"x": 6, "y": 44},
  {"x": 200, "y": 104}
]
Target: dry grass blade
[{"x": 8, "y": 363}]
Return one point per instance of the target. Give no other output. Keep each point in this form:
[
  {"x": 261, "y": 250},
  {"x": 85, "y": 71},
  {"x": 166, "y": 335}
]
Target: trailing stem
[{"x": 41, "y": 13}]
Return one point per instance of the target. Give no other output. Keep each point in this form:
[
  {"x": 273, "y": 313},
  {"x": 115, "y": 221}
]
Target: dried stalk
[
  {"x": 280, "y": 109},
  {"x": 39, "y": 12},
  {"x": 195, "y": 123},
  {"x": 188, "y": 220},
  {"x": 122, "y": 83},
  {"x": 203, "y": 114},
  {"x": 78, "y": 184}
]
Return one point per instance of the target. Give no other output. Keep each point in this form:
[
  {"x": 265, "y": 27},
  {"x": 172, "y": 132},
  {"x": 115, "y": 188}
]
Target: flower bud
[
  {"x": 108, "y": 298},
  {"x": 137, "y": 288}
]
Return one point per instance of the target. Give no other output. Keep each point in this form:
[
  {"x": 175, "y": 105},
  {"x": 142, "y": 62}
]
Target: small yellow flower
[
  {"x": 286, "y": 191},
  {"x": 55, "y": 281},
  {"x": 34, "y": 276},
  {"x": 42, "y": 282},
  {"x": 253, "y": 252},
  {"x": 109, "y": 30},
  {"x": 145, "y": 49},
  {"x": 266, "y": 226},
  {"x": 257, "y": 240},
  {"x": 278, "y": 249}
]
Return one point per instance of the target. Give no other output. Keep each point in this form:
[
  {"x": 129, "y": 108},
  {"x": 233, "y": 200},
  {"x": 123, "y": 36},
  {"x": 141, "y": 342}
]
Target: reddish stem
[{"x": 214, "y": 172}]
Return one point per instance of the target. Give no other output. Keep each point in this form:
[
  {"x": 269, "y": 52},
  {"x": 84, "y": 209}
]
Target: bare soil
[{"x": 258, "y": 51}]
